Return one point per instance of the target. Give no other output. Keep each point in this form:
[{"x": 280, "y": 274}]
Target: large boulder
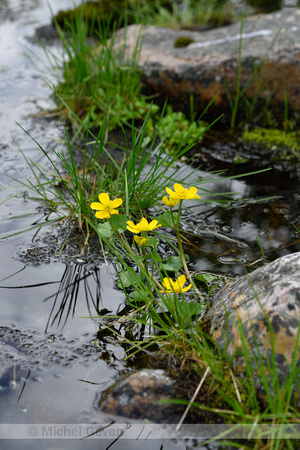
[
  {"x": 208, "y": 65},
  {"x": 260, "y": 313}
]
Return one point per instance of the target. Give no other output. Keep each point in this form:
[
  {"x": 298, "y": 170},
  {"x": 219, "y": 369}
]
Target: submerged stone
[
  {"x": 137, "y": 396},
  {"x": 258, "y": 315}
]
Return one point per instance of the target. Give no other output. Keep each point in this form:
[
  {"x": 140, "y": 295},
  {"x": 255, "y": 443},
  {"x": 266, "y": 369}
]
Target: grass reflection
[{"x": 74, "y": 278}]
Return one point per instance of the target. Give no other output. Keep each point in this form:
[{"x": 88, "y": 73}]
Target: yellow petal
[
  {"x": 170, "y": 192},
  {"x": 96, "y": 205},
  {"x": 132, "y": 227},
  {"x": 104, "y": 198},
  {"x": 178, "y": 187},
  {"x": 192, "y": 193},
  {"x": 140, "y": 240},
  {"x": 116, "y": 203},
  {"x": 186, "y": 288},
  {"x": 181, "y": 280},
  {"x": 166, "y": 283},
  {"x": 102, "y": 214},
  {"x": 172, "y": 201},
  {"x": 154, "y": 224}
]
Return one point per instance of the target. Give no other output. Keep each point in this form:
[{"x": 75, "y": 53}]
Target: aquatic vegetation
[{"x": 274, "y": 139}]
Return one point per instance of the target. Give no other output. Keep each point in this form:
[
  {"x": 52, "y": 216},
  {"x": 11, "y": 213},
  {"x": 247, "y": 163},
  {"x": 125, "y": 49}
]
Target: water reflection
[{"x": 74, "y": 278}]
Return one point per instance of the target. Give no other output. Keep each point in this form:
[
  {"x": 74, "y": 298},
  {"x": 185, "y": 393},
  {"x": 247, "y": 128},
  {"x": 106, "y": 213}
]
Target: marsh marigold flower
[
  {"x": 106, "y": 207},
  {"x": 143, "y": 225},
  {"x": 171, "y": 286},
  {"x": 182, "y": 193},
  {"x": 140, "y": 240}
]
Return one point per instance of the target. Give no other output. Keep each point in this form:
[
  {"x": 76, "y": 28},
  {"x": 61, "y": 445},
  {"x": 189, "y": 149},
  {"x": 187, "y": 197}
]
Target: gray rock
[
  {"x": 261, "y": 310},
  {"x": 209, "y": 64}
]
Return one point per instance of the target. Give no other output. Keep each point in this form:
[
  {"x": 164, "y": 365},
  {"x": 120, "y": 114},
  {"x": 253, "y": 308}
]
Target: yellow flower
[
  {"x": 140, "y": 240},
  {"x": 175, "y": 286},
  {"x": 106, "y": 207},
  {"x": 172, "y": 201},
  {"x": 143, "y": 225},
  {"x": 182, "y": 193}
]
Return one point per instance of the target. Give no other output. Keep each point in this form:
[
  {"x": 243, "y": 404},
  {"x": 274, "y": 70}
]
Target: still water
[{"x": 51, "y": 371}]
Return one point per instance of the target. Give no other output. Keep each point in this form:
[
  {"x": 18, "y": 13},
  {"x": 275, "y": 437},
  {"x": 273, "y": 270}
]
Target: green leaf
[
  {"x": 138, "y": 296},
  {"x": 126, "y": 279},
  {"x": 118, "y": 222},
  {"x": 152, "y": 242},
  {"x": 166, "y": 219},
  {"x": 105, "y": 230},
  {"x": 137, "y": 258},
  {"x": 192, "y": 308},
  {"x": 205, "y": 277},
  {"x": 173, "y": 263}
]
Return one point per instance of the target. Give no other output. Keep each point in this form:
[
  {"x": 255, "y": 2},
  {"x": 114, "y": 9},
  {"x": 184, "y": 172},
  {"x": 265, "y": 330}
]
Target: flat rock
[
  {"x": 209, "y": 65},
  {"x": 264, "y": 308}
]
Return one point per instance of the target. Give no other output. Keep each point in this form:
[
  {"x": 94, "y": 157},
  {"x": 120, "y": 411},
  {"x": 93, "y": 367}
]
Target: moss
[
  {"x": 183, "y": 41},
  {"x": 110, "y": 12},
  {"x": 274, "y": 138}
]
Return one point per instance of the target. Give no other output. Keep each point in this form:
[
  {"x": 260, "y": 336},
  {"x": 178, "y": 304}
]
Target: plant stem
[
  {"x": 238, "y": 81},
  {"x": 180, "y": 246},
  {"x": 142, "y": 265}
]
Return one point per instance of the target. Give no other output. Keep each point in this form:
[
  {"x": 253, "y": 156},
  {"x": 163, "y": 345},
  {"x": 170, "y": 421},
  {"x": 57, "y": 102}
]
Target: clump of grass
[
  {"x": 139, "y": 176},
  {"x": 190, "y": 14},
  {"x": 93, "y": 73}
]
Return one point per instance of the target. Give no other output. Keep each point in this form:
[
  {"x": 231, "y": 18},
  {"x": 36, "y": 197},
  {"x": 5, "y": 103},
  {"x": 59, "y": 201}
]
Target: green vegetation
[
  {"x": 167, "y": 307},
  {"x": 165, "y": 13},
  {"x": 98, "y": 92},
  {"x": 97, "y": 76},
  {"x": 139, "y": 174},
  {"x": 174, "y": 127},
  {"x": 275, "y": 140}
]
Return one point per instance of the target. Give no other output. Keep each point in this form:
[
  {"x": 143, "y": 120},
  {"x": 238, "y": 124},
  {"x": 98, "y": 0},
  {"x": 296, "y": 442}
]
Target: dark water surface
[{"x": 51, "y": 371}]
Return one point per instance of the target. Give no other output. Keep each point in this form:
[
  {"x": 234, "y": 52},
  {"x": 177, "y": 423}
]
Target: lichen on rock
[{"x": 257, "y": 317}]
